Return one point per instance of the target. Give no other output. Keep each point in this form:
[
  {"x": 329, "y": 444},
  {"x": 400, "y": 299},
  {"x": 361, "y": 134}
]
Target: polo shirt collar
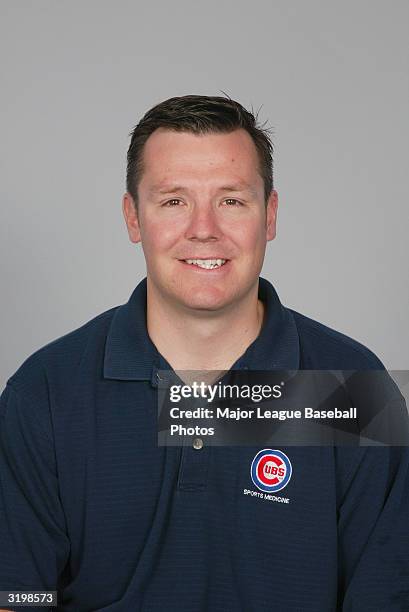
[{"x": 131, "y": 355}]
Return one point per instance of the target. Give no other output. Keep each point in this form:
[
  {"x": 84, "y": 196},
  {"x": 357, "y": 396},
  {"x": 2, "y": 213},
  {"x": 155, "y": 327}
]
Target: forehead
[{"x": 183, "y": 156}]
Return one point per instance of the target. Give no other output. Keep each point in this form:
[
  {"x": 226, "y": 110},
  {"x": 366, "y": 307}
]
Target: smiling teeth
[{"x": 206, "y": 263}]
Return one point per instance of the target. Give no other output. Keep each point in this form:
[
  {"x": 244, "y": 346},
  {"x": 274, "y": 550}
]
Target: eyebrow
[{"x": 239, "y": 187}]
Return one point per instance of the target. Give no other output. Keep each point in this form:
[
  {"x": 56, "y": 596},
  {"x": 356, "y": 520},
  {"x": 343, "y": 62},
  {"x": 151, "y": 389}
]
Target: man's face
[{"x": 201, "y": 198}]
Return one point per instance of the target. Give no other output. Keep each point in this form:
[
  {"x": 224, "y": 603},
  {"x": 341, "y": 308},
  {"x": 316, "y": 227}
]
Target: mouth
[{"x": 206, "y": 264}]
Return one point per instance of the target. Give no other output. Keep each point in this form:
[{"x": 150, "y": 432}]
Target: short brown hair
[{"x": 198, "y": 115}]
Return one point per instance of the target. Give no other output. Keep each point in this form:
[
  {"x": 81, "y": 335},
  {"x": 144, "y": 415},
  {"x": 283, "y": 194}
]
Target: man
[{"x": 91, "y": 506}]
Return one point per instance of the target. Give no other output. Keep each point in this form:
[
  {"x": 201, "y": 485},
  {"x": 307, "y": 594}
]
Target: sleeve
[
  {"x": 34, "y": 545},
  {"x": 373, "y": 530}
]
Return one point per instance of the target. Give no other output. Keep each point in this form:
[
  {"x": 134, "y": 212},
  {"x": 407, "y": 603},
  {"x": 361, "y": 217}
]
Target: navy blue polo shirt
[{"x": 92, "y": 507}]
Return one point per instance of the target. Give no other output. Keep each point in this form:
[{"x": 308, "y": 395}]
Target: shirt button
[{"x": 198, "y": 443}]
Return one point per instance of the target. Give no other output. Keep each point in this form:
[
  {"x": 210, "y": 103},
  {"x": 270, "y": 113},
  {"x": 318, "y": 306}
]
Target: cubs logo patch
[{"x": 271, "y": 470}]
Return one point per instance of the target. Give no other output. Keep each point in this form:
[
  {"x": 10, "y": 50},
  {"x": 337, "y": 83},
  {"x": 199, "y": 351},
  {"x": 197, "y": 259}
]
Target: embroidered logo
[{"x": 271, "y": 470}]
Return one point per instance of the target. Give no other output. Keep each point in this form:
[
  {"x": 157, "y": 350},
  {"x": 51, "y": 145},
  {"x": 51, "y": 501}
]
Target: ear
[
  {"x": 271, "y": 215},
  {"x": 131, "y": 218}
]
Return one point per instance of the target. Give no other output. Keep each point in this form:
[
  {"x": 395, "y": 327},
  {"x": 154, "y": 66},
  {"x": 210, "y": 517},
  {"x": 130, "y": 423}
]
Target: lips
[
  {"x": 211, "y": 257},
  {"x": 206, "y": 263},
  {"x": 197, "y": 268}
]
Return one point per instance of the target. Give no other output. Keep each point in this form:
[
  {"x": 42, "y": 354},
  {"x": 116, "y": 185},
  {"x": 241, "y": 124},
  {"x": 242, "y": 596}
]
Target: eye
[
  {"x": 170, "y": 203},
  {"x": 234, "y": 202}
]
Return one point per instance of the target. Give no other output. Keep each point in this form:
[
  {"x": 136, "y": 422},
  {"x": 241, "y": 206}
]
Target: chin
[
  {"x": 205, "y": 307},
  {"x": 200, "y": 301}
]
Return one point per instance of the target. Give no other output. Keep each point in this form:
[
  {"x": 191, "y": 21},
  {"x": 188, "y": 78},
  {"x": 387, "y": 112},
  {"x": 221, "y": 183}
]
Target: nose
[{"x": 203, "y": 224}]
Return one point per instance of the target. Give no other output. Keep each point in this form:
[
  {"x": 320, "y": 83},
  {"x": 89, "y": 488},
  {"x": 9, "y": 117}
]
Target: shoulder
[
  {"x": 59, "y": 359},
  {"x": 48, "y": 377},
  {"x": 325, "y": 348}
]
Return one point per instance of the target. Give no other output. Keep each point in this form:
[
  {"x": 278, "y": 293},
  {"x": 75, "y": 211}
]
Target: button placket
[
  {"x": 194, "y": 465},
  {"x": 195, "y": 454}
]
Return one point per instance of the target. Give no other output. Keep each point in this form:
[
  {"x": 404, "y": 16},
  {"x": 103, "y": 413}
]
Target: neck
[{"x": 203, "y": 340}]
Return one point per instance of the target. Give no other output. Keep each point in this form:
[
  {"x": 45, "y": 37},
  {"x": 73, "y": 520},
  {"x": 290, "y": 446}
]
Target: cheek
[
  {"x": 248, "y": 236},
  {"x": 159, "y": 235}
]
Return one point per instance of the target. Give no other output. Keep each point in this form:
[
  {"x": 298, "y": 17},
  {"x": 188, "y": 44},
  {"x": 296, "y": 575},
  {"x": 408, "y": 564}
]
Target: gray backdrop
[{"x": 331, "y": 79}]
